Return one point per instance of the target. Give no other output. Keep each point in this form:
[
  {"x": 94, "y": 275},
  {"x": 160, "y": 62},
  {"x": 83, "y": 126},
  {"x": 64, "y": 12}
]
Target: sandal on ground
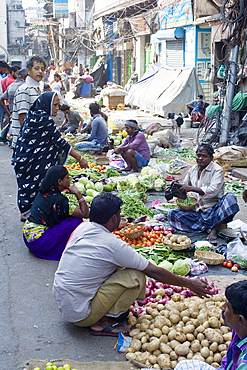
[
  {"x": 23, "y": 219},
  {"x": 108, "y": 330}
]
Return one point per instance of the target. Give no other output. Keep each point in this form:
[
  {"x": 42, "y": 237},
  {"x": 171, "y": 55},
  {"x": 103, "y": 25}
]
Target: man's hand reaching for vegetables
[{"x": 199, "y": 287}]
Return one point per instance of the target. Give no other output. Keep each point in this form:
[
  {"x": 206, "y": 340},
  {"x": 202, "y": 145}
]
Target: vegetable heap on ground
[
  {"x": 236, "y": 187},
  {"x": 172, "y": 327}
]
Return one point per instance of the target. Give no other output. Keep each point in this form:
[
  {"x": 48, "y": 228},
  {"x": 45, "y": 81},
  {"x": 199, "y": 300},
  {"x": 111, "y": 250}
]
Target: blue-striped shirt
[{"x": 24, "y": 97}]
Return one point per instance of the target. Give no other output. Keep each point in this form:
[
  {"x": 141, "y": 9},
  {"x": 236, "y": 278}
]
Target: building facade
[
  {"x": 164, "y": 31},
  {"x": 3, "y": 28}
]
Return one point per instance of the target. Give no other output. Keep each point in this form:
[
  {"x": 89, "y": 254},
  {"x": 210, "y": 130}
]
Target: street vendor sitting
[
  {"x": 97, "y": 140},
  {"x": 235, "y": 317},
  {"x": 72, "y": 122},
  {"x": 99, "y": 275},
  {"x": 198, "y": 112},
  {"x": 134, "y": 150},
  {"x": 206, "y": 180}
]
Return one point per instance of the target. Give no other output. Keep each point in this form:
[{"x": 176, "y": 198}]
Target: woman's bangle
[
  {"x": 80, "y": 159},
  {"x": 81, "y": 200}
]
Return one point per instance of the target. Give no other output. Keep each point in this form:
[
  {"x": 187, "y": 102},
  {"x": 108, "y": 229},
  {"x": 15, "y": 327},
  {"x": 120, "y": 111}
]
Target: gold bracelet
[{"x": 80, "y": 159}]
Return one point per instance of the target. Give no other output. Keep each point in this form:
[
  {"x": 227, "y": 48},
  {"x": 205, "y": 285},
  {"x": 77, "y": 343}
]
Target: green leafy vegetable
[
  {"x": 236, "y": 188},
  {"x": 181, "y": 267},
  {"x": 189, "y": 201},
  {"x": 111, "y": 172},
  {"x": 133, "y": 207},
  {"x": 166, "y": 265},
  {"x": 161, "y": 252}
]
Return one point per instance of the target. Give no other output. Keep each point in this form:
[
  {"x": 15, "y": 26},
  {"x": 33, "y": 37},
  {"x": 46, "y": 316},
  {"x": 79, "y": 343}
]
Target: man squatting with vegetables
[
  {"x": 235, "y": 317},
  {"x": 214, "y": 209},
  {"x": 99, "y": 275},
  {"x": 134, "y": 150}
]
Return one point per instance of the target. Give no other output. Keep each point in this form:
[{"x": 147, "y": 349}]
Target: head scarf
[
  {"x": 50, "y": 207},
  {"x": 133, "y": 125},
  {"x": 50, "y": 183}
]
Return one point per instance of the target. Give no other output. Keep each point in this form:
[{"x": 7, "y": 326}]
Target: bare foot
[
  {"x": 212, "y": 236},
  {"x": 127, "y": 169},
  {"x": 137, "y": 170}
]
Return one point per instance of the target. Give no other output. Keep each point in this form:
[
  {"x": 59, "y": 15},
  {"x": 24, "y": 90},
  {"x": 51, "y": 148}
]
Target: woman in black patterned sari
[{"x": 39, "y": 146}]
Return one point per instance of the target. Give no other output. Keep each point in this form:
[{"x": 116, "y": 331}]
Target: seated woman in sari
[
  {"x": 53, "y": 218},
  {"x": 39, "y": 146},
  {"x": 206, "y": 181}
]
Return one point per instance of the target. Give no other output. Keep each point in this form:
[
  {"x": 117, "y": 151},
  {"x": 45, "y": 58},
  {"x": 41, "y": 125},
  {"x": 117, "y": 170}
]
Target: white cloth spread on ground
[{"x": 90, "y": 258}]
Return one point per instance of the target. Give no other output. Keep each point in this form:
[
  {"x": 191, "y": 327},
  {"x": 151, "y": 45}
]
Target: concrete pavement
[{"x": 30, "y": 324}]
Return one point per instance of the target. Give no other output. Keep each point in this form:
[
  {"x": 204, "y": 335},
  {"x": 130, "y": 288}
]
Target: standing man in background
[
  {"x": 8, "y": 95},
  {"x": 27, "y": 93},
  {"x": 3, "y": 69},
  {"x": 10, "y": 78}
]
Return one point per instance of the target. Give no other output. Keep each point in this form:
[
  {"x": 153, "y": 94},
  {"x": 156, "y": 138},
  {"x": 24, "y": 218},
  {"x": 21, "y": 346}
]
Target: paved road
[{"x": 30, "y": 324}]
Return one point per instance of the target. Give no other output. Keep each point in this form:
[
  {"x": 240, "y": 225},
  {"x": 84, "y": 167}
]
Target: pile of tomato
[
  {"x": 76, "y": 166},
  {"x": 101, "y": 169},
  {"x": 231, "y": 265},
  {"x": 147, "y": 239}
]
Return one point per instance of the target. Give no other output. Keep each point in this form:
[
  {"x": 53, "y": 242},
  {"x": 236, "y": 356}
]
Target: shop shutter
[{"x": 174, "y": 53}]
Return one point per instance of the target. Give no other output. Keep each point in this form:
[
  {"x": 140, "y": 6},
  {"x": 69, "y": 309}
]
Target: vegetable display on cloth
[
  {"x": 161, "y": 252},
  {"x": 184, "y": 153},
  {"x": 236, "y": 188},
  {"x": 133, "y": 207},
  {"x": 178, "y": 329}
]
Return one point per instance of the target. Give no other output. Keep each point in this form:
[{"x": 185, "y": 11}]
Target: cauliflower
[
  {"x": 132, "y": 179},
  {"x": 148, "y": 171},
  {"x": 159, "y": 184}
]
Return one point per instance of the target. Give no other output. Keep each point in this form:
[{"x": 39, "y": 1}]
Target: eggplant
[
  {"x": 141, "y": 219},
  {"x": 130, "y": 219}
]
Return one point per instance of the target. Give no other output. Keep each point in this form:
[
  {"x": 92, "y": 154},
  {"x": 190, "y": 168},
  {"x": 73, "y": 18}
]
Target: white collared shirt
[
  {"x": 211, "y": 181},
  {"x": 91, "y": 256}
]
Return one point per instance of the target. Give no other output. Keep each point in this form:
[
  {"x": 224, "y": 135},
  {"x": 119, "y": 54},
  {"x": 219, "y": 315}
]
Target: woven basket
[
  {"x": 211, "y": 258},
  {"x": 102, "y": 160},
  {"x": 186, "y": 208},
  {"x": 123, "y": 222},
  {"x": 134, "y": 234},
  {"x": 175, "y": 247}
]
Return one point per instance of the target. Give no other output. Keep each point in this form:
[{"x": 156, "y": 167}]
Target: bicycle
[{"x": 209, "y": 130}]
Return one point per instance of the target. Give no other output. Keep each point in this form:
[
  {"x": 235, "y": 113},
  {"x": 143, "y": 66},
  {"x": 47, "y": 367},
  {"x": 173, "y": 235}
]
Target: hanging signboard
[
  {"x": 175, "y": 13},
  {"x": 60, "y": 8},
  {"x": 140, "y": 26}
]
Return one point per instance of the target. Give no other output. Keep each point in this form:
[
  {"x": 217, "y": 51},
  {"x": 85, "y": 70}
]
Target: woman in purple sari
[{"x": 53, "y": 218}]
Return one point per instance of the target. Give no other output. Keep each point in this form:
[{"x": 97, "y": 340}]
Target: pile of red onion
[{"x": 152, "y": 286}]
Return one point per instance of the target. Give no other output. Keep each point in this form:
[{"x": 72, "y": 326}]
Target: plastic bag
[
  {"x": 196, "y": 267},
  {"x": 237, "y": 252},
  {"x": 123, "y": 342}
]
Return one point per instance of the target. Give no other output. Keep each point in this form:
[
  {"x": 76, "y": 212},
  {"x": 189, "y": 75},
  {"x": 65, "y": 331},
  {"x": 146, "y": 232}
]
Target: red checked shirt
[
  {"x": 211, "y": 181},
  {"x": 236, "y": 357}
]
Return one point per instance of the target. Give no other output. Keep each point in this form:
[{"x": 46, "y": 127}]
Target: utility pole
[{"x": 227, "y": 110}]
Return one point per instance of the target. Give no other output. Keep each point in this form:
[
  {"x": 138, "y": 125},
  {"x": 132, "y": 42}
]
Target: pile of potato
[
  {"x": 185, "y": 328},
  {"x": 177, "y": 240}
]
